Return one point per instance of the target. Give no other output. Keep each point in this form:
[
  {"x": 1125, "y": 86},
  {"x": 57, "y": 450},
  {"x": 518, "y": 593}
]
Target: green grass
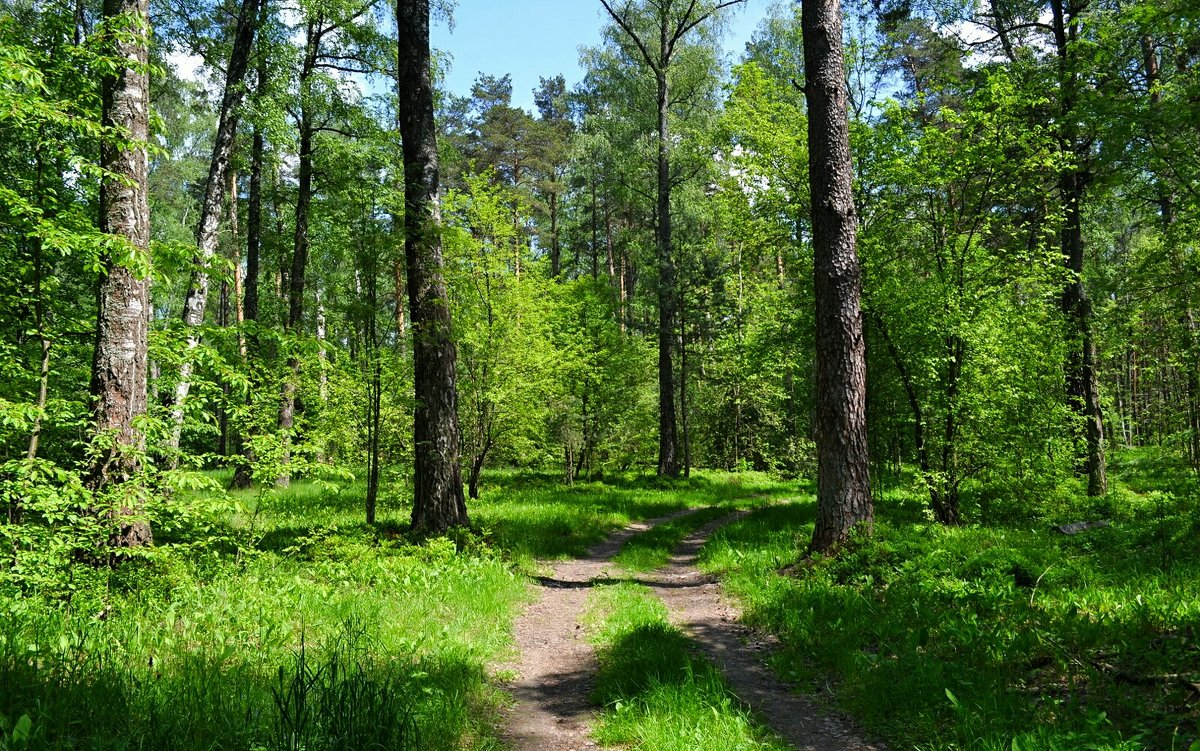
[
  {"x": 325, "y": 634},
  {"x": 652, "y": 548},
  {"x": 657, "y": 695},
  {"x": 532, "y": 516},
  {"x": 293, "y": 624},
  {"x": 998, "y": 638}
]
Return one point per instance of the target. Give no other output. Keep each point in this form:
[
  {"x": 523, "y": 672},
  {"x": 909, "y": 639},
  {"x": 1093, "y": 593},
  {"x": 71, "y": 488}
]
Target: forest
[{"x": 837, "y": 391}]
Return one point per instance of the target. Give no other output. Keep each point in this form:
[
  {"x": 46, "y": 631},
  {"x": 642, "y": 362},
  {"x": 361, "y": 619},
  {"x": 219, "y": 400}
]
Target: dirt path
[
  {"x": 712, "y": 621},
  {"x": 557, "y": 666}
]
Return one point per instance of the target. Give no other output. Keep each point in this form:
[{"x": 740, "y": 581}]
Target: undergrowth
[{"x": 1000, "y": 638}]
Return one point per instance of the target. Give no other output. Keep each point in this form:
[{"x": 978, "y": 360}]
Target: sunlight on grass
[
  {"x": 1002, "y": 637},
  {"x": 657, "y": 695}
]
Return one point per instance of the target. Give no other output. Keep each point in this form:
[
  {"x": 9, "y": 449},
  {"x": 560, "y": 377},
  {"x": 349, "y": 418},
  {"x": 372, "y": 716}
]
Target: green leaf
[
  {"x": 953, "y": 699},
  {"x": 21, "y": 729}
]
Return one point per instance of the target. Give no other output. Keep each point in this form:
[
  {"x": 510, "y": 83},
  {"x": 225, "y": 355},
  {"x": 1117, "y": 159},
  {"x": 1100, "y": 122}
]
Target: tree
[
  {"x": 1083, "y": 388},
  {"x": 438, "y": 502},
  {"x": 210, "y": 210},
  {"x": 843, "y": 477},
  {"x": 119, "y": 367},
  {"x": 670, "y": 22}
]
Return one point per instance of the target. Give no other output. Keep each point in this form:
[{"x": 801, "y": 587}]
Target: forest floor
[
  {"x": 558, "y": 668},
  {"x": 637, "y": 612}
]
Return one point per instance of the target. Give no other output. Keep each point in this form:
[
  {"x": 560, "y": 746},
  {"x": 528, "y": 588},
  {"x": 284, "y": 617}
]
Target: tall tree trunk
[
  {"x": 231, "y": 309},
  {"x": 210, "y": 211},
  {"x": 555, "y": 244},
  {"x": 674, "y": 23},
  {"x": 668, "y": 437},
  {"x": 118, "y": 384},
  {"x": 299, "y": 265},
  {"x": 242, "y": 475},
  {"x": 1083, "y": 389},
  {"x": 39, "y": 317},
  {"x": 843, "y": 470},
  {"x": 438, "y": 502}
]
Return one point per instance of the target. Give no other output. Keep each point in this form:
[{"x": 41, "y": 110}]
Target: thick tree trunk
[
  {"x": 210, "y": 211},
  {"x": 118, "y": 384},
  {"x": 438, "y": 502},
  {"x": 843, "y": 472}
]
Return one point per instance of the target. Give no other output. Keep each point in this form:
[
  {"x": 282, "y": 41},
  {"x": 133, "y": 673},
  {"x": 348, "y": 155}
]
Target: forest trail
[
  {"x": 557, "y": 665},
  {"x": 713, "y": 623}
]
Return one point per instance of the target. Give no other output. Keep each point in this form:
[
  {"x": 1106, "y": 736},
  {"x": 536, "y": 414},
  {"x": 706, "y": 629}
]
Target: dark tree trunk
[
  {"x": 476, "y": 471},
  {"x": 39, "y": 316},
  {"x": 299, "y": 265},
  {"x": 210, "y": 211},
  {"x": 668, "y": 435},
  {"x": 242, "y": 475},
  {"x": 943, "y": 491},
  {"x": 555, "y": 245},
  {"x": 438, "y": 502},
  {"x": 1083, "y": 389},
  {"x": 674, "y": 23},
  {"x": 118, "y": 384},
  {"x": 843, "y": 469}
]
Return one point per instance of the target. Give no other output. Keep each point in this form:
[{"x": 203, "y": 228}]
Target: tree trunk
[
  {"x": 39, "y": 315},
  {"x": 668, "y": 438},
  {"x": 1083, "y": 390},
  {"x": 210, "y": 212},
  {"x": 843, "y": 470},
  {"x": 555, "y": 245},
  {"x": 118, "y": 383},
  {"x": 438, "y": 502},
  {"x": 242, "y": 475},
  {"x": 299, "y": 265}
]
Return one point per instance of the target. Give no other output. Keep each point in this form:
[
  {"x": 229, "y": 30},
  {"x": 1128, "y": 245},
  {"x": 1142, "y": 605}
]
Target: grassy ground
[
  {"x": 1005, "y": 637},
  {"x": 531, "y": 516},
  {"x": 294, "y": 625},
  {"x": 656, "y": 695},
  {"x": 321, "y": 633}
]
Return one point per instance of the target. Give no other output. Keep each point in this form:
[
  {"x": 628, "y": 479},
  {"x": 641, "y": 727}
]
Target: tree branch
[{"x": 624, "y": 24}]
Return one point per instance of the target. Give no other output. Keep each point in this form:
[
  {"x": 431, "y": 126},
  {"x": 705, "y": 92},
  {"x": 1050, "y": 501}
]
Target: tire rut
[
  {"x": 697, "y": 606},
  {"x": 556, "y": 666}
]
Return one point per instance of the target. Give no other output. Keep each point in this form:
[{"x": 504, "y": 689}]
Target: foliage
[{"x": 986, "y": 637}]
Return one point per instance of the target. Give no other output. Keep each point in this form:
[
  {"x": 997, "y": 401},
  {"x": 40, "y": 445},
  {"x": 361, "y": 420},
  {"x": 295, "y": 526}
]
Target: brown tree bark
[
  {"x": 438, "y": 502},
  {"x": 210, "y": 212},
  {"x": 119, "y": 365},
  {"x": 843, "y": 476}
]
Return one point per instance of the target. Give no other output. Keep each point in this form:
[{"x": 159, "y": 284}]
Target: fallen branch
[{"x": 1159, "y": 679}]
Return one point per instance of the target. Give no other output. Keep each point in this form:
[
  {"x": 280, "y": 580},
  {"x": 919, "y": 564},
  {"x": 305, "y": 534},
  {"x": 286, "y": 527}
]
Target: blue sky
[{"x": 532, "y": 38}]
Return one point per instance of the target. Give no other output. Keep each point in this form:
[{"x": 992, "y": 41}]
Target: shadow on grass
[{"x": 344, "y": 698}]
